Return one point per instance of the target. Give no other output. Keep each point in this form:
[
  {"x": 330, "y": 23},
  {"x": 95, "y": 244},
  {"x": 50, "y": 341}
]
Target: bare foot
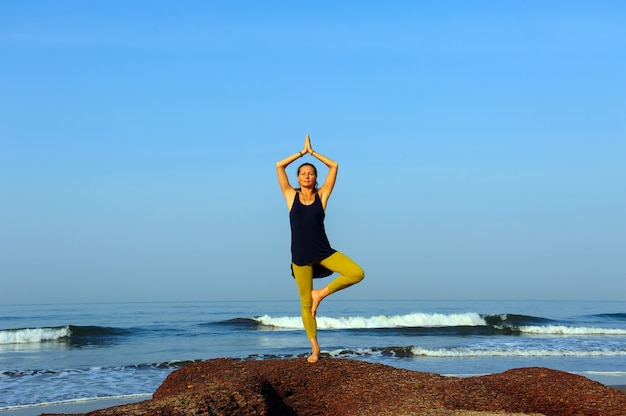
[
  {"x": 315, "y": 354},
  {"x": 313, "y": 358},
  {"x": 316, "y": 297}
]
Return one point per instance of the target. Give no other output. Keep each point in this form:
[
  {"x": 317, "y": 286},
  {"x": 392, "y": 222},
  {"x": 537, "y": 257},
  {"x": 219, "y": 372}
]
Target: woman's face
[{"x": 307, "y": 176}]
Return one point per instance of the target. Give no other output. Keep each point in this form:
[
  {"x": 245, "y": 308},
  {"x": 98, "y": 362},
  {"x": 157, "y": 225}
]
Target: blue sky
[{"x": 481, "y": 147}]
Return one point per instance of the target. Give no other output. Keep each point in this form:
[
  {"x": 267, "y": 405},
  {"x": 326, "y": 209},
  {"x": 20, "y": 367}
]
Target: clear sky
[{"x": 482, "y": 147}]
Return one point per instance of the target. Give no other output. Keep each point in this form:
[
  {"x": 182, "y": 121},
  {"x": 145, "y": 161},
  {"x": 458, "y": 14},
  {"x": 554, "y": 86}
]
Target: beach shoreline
[{"x": 74, "y": 407}]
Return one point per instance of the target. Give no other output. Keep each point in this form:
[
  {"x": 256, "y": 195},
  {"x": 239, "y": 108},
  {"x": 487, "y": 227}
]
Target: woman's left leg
[{"x": 349, "y": 274}]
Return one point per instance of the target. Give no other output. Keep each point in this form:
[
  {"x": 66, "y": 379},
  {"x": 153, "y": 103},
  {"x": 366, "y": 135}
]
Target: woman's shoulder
[{"x": 290, "y": 195}]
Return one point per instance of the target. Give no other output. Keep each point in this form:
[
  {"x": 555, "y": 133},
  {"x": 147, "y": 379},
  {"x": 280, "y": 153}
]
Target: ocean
[{"x": 66, "y": 353}]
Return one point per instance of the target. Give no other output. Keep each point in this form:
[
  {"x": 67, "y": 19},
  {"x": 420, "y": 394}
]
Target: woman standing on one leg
[{"x": 311, "y": 253}]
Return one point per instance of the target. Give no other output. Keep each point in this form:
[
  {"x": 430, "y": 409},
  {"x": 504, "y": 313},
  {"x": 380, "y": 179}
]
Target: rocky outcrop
[{"x": 348, "y": 387}]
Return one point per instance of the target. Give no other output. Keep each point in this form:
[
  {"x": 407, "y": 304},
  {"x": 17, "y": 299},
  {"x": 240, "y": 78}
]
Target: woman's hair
[{"x": 314, "y": 170}]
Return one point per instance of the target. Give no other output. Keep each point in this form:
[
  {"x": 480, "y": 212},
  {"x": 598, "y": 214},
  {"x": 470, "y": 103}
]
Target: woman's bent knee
[{"x": 359, "y": 275}]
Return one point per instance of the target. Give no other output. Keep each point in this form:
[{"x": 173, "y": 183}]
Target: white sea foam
[
  {"x": 83, "y": 384},
  {"x": 33, "y": 335},
  {"x": 569, "y": 330},
  {"x": 123, "y": 397},
  {"x": 357, "y": 351},
  {"x": 281, "y": 322},
  {"x": 484, "y": 353},
  {"x": 605, "y": 373},
  {"x": 413, "y": 320},
  {"x": 513, "y": 352}
]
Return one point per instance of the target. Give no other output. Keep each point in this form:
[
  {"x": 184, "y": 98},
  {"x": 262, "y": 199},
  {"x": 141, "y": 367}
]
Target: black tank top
[{"x": 309, "y": 243}]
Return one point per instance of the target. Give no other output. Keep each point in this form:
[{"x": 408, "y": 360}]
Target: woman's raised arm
[{"x": 283, "y": 180}]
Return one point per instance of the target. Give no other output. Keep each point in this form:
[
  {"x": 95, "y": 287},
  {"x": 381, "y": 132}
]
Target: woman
[{"x": 311, "y": 253}]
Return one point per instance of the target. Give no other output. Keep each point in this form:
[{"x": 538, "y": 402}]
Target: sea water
[{"x": 74, "y": 352}]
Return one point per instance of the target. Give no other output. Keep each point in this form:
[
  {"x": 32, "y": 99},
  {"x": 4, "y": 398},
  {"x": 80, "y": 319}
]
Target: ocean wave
[
  {"x": 122, "y": 397},
  {"x": 512, "y": 352},
  {"x": 570, "y": 330},
  {"x": 76, "y": 384},
  {"x": 605, "y": 373},
  {"x": 413, "y": 320},
  {"x": 418, "y": 352},
  {"x": 34, "y": 335},
  {"x": 165, "y": 365},
  {"x": 469, "y": 323},
  {"x": 413, "y": 351},
  {"x": 514, "y": 320},
  {"x": 77, "y": 334},
  {"x": 240, "y": 323},
  {"x": 613, "y": 316}
]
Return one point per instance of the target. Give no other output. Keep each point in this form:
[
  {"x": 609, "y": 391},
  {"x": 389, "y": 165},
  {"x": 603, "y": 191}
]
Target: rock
[{"x": 342, "y": 387}]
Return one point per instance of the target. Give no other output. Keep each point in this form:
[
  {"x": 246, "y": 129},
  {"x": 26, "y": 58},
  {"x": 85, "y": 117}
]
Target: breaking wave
[
  {"x": 413, "y": 320},
  {"x": 58, "y": 334},
  {"x": 33, "y": 335},
  {"x": 469, "y": 323}
]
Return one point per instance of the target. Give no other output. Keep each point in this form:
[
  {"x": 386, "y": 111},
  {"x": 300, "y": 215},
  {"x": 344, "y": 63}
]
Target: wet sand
[{"x": 73, "y": 407}]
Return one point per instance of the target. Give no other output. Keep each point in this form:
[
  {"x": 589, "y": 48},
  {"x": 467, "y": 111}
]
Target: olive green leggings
[{"x": 350, "y": 273}]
